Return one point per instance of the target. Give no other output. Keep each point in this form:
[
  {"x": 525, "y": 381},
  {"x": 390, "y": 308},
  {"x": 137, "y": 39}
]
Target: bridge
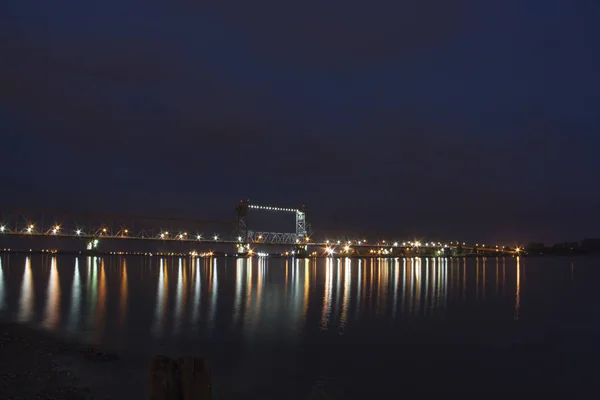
[{"x": 94, "y": 228}]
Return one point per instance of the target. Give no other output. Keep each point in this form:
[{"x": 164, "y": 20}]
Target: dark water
[{"x": 328, "y": 328}]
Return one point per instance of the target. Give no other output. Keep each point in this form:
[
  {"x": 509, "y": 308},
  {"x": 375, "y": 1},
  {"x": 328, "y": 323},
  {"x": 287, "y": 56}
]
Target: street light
[{"x": 78, "y": 232}]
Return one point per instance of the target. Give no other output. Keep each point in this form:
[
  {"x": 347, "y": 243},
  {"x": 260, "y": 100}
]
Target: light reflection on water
[
  {"x": 2, "y": 290},
  {"x": 26, "y": 299},
  {"x": 188, "y": 292},
  {"x": 242, "y": 306}
]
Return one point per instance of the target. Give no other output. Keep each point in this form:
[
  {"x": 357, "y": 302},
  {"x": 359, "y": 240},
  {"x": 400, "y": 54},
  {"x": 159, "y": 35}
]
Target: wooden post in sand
[{"x": 184, "y": 379}]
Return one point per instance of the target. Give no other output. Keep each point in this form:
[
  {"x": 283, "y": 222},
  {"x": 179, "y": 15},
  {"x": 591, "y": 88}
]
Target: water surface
[{"x": 327, "y": 328}]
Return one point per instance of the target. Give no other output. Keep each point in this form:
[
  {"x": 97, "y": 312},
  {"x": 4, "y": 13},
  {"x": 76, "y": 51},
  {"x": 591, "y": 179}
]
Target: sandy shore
[{"x": 36, "y": 365}]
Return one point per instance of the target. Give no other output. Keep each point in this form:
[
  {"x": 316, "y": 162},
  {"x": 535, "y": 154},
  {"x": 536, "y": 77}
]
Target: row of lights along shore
[{"x": 166, "y": 235}]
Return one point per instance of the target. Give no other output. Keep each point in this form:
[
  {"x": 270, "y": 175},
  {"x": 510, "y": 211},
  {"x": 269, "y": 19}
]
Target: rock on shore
[{"x": 34, "y": 365}]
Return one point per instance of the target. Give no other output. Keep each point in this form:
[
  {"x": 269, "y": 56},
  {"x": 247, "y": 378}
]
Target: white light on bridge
[
  {"x": 239, "y": 238},
  {"x": 2, "y": 228},
  {"x": 78, "y": 232},
  {"x": 216, "y": 237},
  {"x": 395, "y": 244},
  {"x": 199, "y": 237}
]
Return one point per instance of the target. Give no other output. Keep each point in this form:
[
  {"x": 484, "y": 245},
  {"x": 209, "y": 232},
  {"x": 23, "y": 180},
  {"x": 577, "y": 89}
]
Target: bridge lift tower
[{"x": 246, "y": 235}]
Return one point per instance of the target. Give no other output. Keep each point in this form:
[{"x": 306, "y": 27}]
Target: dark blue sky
[{"x": 474, "y": 120}]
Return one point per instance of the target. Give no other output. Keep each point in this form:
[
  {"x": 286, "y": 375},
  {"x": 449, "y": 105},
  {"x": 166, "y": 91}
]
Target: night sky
[{"x": 470, "y": 120}]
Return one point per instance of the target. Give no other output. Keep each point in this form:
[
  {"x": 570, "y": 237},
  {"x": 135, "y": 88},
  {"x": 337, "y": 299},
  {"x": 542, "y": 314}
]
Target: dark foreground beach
[{"x": 35, "y": 365}]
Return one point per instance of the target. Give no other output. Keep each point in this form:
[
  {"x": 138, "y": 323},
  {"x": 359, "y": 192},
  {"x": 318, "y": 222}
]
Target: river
[{"x": 326, "y": 328}]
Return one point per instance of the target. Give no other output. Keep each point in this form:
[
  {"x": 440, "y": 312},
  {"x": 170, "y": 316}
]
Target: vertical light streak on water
[
  {"x": 518, "y": 290},
  {"x": 453, "y": 278},
  {"x": 403, "y": 285},
  {"x": 371, "y": 283},
  {"x": 504, "y": 277},
  {"x": 327, "y": 295},
  {"x": 287, "y": 274},
  {"x": 384, "y": 285},
  {"x": 293, "y": 284},
  {"x": 237, "y": 302},
  {"x": 259, "y": 289},
  {"x": 123, "y": 295},
  {"x": 247, "y": 307},
  {"x": 411, "y": 290},
  {"x": 197, "y": 292},
  {"x": 214, "y": 293},
  {"x": 101, "y": 310},
  {"x": 464, "y": 293},
  {"x": 365, "y": 283},
  {"x": 440, "y": 283},
  {"x": 396, "y": 278},
  {"x": 497, "y": 266},
  {"x": 337, "y": 305},
  {"x": 484, "y": 283},
  {"x": 358, "y": 289},
  {"x": 2, "y": 285},
  {"x": 178, "y": 298},
  {"x": 92, "y": 290},
  {"x": 258, "y": 299},
  {"x": 298, "y": 302},
  {"x": 26, "y": 298},
  {"x": 186, "y": 289},
  {"x": 378, "y": 288},
  {"x": 426, "y": 302},
  {"x": 434, "y": 283},
  {"x": 306, "y": 291},
  {"x": 418, "y": 287},
  {"x": 160, "y": 298},
  {"x": 477, "y": 279},
  {"x": 445, "y": 260},
  {"x": 346, "y": 298},
  {"x": 52, "y": 311},
  {"x": 75, "y": 299}
]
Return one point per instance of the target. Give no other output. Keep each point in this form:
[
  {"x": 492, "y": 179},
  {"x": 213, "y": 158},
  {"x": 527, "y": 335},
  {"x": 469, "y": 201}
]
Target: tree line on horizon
[{"x": 586, "y": 246}]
